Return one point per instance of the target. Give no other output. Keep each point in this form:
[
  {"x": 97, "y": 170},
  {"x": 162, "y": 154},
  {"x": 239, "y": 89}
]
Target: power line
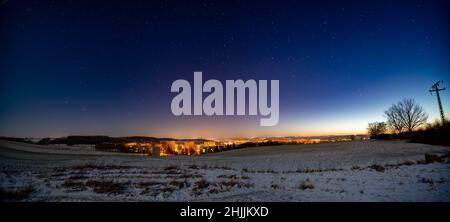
[{"x": 435, "y": 88}]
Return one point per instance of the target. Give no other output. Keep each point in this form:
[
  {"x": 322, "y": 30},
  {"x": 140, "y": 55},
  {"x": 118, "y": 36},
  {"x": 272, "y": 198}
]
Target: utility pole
[{"x": 435, "y": 88}]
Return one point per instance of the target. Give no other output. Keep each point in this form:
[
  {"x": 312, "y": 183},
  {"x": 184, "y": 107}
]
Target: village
[{"x": 170, "y": 147}]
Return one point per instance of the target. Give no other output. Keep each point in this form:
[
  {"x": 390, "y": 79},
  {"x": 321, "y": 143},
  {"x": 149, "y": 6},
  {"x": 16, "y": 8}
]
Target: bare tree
[
  {"x": 394, "y": 121},
  {"x": 410, "y": 114},
  {"x": 376, "y": 128}
]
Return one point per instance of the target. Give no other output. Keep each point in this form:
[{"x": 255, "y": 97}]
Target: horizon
[
  {"x": 96, "y": 69},
  {"x": 184, "y": 138}
]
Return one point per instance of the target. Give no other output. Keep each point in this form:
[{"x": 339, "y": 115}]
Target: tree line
[{"x": 407, "y": 119}]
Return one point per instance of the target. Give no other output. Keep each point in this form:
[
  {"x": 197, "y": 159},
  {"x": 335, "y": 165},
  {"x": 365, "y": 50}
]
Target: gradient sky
[{"x": 102, "y": 68}]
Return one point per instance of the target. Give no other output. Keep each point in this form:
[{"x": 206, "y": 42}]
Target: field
[{"x": 346, "y": 171}]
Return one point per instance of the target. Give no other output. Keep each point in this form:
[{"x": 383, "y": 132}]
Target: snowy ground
[{"x": 348, "y": 171}]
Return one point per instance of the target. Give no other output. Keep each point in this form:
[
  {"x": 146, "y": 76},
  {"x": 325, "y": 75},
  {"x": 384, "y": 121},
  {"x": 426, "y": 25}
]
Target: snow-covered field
[{"x": 347, "y": 171}]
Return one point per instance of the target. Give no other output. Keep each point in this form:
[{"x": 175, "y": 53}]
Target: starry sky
[{"x": 105, "y": 68}]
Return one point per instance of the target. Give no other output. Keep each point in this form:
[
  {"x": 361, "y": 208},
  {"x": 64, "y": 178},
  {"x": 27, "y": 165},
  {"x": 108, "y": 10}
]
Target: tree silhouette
[
  {"x": 376, "y": 128},
  {"x": 410, "y": 114},
  {"x": 394, "y": 120}
]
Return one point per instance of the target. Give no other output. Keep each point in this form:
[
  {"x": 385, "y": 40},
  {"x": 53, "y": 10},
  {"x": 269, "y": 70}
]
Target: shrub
[
  {"x": 436, "y": 134},
  {"x": 431, "y": 158},
  {"x": 201, "y": 184},
  {"x": 306, "y": 184},
  {"x": 377, "y": 167}
]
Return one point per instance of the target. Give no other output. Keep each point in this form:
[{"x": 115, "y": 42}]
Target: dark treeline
[
  {"x": 435, "y": 134},
  {"x": 93, "y": 140},
  {"x": 252, "y": 144},
  {"x": 16, "y": 139},
  {"x": 71, "y": 140},
  {"x": 245, "y": 145},
  {"x": 407, "y": 120}
]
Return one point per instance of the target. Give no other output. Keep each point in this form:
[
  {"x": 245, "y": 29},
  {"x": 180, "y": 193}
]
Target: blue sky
[{"x": 106, "y": 68}]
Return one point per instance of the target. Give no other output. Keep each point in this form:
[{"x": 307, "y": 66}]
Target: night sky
[{"x": 102, "y": 68}]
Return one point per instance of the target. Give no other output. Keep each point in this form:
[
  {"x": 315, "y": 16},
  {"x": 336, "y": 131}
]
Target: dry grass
[
  {"x": 184, "y": 176},
  {"x": 72, "y": 185},
  {"x": 377, "y": 167},
  {"x": 178, "y": 184},
  {"x": 193, "y": 167},
  {"x": 229, "y": 183},
  {"x": 171, "y": 167},
  {"x": 199, "y": 186},
  {"x": 231, "y": 176},
  {"x": 169, "y": 172},
  {"x": 106, "y": 187},
  {"x": 214, "y": 191},
  {"x": 234, "y": 183},
  {"x": 432, "y": 158},
  {"x": 15, "y": 195},
  {"x": 356, "y": 168},
  {"x": 167, "y": 189},
  {"x": 93, "y": 167},
  {"x": 78, "y": 177},
  {"x": 306, "y": 184},
  {"x": 145, "y": 184}
]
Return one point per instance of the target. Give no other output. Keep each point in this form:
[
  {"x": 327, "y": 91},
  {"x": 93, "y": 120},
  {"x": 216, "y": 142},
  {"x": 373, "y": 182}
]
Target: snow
[{"x": 316, "y": 172}]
